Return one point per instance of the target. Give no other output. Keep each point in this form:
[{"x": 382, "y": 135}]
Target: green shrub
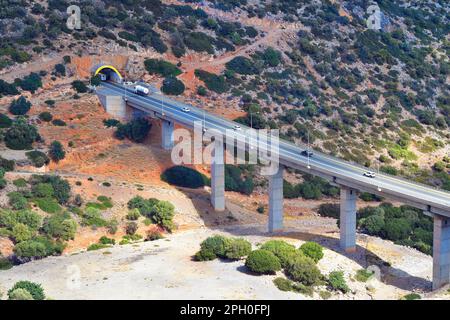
[
  {"x": 30, "y": 249},
  {"x": 38, "y": 158},
  {"x": 92, "y": 217},
  {"x": 60, "y": 186},
  {"x": 283, "y": 284},
  {"x": 46, "y": 116},
  {"x": 35, "y": 289},
  {"x": 106, "y": 240},
  {"x": 304, "y": 270},
  {"x": 3, "y": 183},
  {"x": 21, "y": 135},
  {"x": 213, "y": 247},
  {"x": 325, "y": 295},
  {"x": 20, "y": 294},
  {"x": 133, "y": 214},
  {"x": 59, "y": 123},
  {"x": 330, "y": 210},
  {"x": 303, "y": 289},
  {"x": 411, "y": 296},
  {"x": 48, "y": 205},
  {"x": 337, "y": 282},
  {"x": 56, "y": 151},
  {"x": 362, "y": 275},
  {"x": 173, "y": 86},
  {"x": 281, "y": 249},
  {"x": 312, "y": 250},
  {"x": 213, "y": 82},
  {"x": 60, "y": 226},
  {"x": 162, "y": 214},
  {"x": 20, "y": 232},
  {"x": 20, "y": 107},
  {"x": 97, "y": 246},
  {"x": 43, "y": 190},
  {"x": 79, "y": 86},
  {"x": 5, "y": 263},
  {"x": 262, "y": 261},
  {"x": 161, "y": 67},
  {"x": 17, "y": 201},
  {"x": 183, "y": 177},
  {"x": 242, "y": 65},
  {"x": 5, "y": 121},
  {"x": 238, "y": 248},
  {"x": 136, "y": 130}
]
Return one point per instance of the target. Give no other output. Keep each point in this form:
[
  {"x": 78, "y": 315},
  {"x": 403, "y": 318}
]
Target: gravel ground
[{"x": 164, "y": 269}]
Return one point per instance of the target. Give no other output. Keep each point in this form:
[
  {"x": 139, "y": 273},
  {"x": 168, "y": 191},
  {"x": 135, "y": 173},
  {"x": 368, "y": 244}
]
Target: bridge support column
[
  {"x": 276, "y": 201},
  {"x": 218, "y": 178},
  {"x": 167, "y": 134},
  {"x": 348, "y": 219},
  {"x": 441, "y": 251}
]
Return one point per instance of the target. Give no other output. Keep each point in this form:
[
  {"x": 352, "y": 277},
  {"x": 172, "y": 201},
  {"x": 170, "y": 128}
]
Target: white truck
[{"x": 143, "y": 91}]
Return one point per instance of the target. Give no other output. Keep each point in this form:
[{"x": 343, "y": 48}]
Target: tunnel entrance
[{"x": 108, "y": 73}]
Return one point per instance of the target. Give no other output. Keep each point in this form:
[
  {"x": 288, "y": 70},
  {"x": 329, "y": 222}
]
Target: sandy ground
[{"x": 164, "y": 269}]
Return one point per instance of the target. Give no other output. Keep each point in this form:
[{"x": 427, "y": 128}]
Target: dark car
[{"x": 306, "y": 153}]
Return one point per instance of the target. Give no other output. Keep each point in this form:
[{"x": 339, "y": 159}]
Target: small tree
[
  {"x": 20, "y": 294},
  {"x": 34, "y": 289},
  {"x": 56, "y": 151},
  {"x": 172, "y": 86},
  {"x": 21, "y": 135},
  {"x": 19, "y": 107},
  {"x": 337, "y": 282},
  {"x": 304, "y": 270},
  {"x": 238, "y": 248},
  {"x": 79, "y": 86},
  {"x": 162, "y": 214}
]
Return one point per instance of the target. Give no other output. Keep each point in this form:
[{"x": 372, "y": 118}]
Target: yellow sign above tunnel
[{"x": 108, "y": 67}]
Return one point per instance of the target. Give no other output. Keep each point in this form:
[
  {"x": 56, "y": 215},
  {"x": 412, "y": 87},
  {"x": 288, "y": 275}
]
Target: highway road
[{"x": 336, "y": 170}]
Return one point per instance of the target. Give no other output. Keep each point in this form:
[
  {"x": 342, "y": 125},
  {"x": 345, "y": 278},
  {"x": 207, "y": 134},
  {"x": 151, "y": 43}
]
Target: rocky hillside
[{"x": 311, "y": 68}]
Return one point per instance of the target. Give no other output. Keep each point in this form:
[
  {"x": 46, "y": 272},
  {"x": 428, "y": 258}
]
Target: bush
[
  {"x": 304, "y": 270},
  {"x": 56, "y": 151},
  {"x": 183, "y": 177},
  {"x": 131, "y": 228},
  {"x": 312, "y": 250},
  {"x": 34, "y": 289},
  {"x": 21, "y": 232},
  {"x": 43, "y": 190},
  {"x": 153, "y": 235},
  {"x": 133, "y": 214},
  {"x": 38, "y": 158},
  {"x": 92, "y": 217},
  {"x": 172, "y": 86},
  {"x": 46, "y": 116},
  {"x": 337, "y": 282},
  {"x": 48, "y": 205},
  {"x": 5, "y": 264},
  {"x": 242, "y": 65},
  {"x": 17, "y": 201},
  {"x": 162, "y": 214},
  {"x": 20, "y": 107},
  {"x": 411, "y": 296},
  {"x": 330, "y": 210},
  {"x": 79, "y": 86},
  {"x": 281, "y": 249},
  {"x": 60, "y": 186},
  {"x": 3, "y": 183},
  {"x": 30, "y": 249},
  {"x": 135, "y": 130},
  {"x": 362, "y": 275},
  {"x": 237, "y": 249},
  {"x": 161, "y": 67},
  {"x": 97, "y": 246},
  {"x": 106, "y": 240},
  {"x": 21, "y": 135},
  {"x": 60, "y": 226},
  {"x": 213, "y": 247},
  {"x": 59, "y": 123},
  {"x": 283, "y": 284},
  {"x": 262, "y": 261},
  {"x": 20, "y": 183},
  {"x": 213, "y": 82},
  {"x": 5, "y": 121},
  {"x": 20, "y": 294}
]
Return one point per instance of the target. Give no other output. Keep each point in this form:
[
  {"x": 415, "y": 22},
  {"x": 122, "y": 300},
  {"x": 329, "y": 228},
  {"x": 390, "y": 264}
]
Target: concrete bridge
[{"x": 120, "y": 101}]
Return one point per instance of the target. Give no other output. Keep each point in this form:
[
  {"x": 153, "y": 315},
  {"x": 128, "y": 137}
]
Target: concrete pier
[
  {"x": 167, "y": 134},
  {"x": 441, "y": 251},
  {"x": 218, "y": 178},
  {"x": 276, "y": 201},
  {"x": 348, "y": 219},
  {"x": 113, "y": 104}
]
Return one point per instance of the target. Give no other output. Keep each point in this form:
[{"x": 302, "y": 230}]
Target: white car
[
  {"x": 237, "y": 128},
  {"x": 186, "y": 109},
  {"x": 369, "y": 174},
  {"x": 128, "y": 83}
]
